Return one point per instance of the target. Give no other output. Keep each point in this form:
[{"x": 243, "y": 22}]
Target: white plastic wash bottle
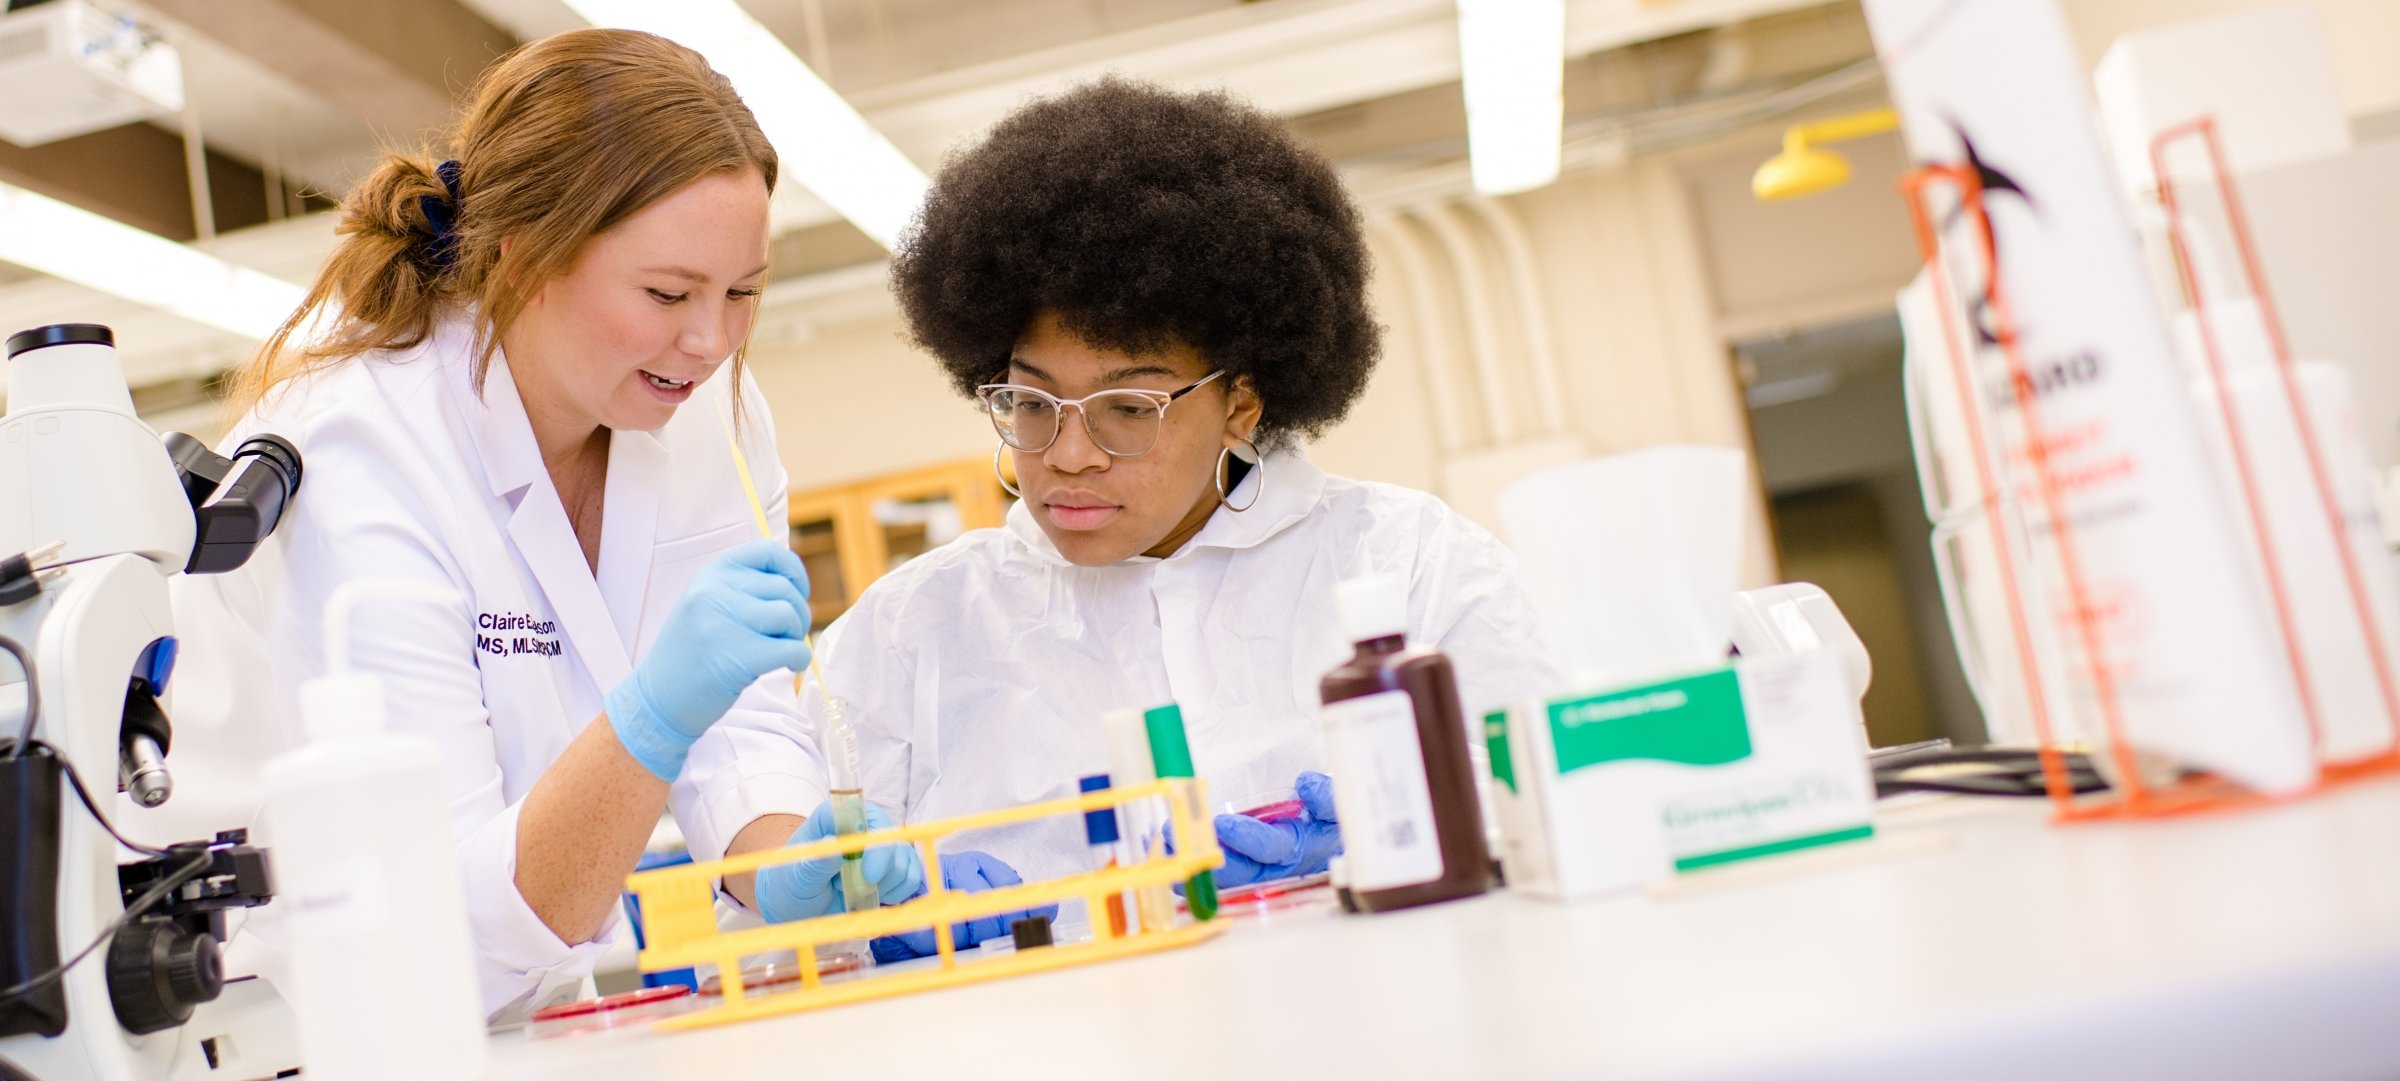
[{"x": 383, "y": 984}]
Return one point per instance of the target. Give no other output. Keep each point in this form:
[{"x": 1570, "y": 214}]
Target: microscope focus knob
[{"x": 157, "y": 972}]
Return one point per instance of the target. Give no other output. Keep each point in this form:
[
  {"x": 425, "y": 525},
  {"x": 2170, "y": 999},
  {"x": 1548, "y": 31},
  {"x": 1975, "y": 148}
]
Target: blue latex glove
[
  {"x": 970, "y": 872},
  {"x": 1256, "y": 851},
  {"x": 741, "y": 617},
  {"x": 796, "y": 891}
]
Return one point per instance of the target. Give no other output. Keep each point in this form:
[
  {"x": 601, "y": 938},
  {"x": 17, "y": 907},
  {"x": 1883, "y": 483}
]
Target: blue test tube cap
[{"x": 1099, "y": 825}]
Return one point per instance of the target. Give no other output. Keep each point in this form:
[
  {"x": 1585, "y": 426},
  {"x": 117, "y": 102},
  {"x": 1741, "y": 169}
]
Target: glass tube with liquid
[{"x": 849, "y": 801}]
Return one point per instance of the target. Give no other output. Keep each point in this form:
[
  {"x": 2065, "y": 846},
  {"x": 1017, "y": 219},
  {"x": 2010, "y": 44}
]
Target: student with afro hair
[{"x": 1154, "y": 298}]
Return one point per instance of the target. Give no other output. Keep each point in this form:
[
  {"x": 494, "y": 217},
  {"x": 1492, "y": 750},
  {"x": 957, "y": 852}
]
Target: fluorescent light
[
  {"x": 1513, "y": 54},
  {"x": 823, "y": 142},
  {"x": 43, "y": 234}
]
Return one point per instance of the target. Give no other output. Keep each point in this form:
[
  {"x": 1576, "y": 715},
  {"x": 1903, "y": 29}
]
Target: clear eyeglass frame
[{"x": 1125, "y": 422}]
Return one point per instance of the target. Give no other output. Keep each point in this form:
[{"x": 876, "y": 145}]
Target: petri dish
[{"x": 612, "y": 1011}]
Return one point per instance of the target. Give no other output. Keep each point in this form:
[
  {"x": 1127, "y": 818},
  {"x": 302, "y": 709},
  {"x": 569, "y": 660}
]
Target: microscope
[{"x": 103, "y": 964}]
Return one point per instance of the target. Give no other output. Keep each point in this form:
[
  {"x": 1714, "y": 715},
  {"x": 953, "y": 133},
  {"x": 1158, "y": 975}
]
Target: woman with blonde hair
[{"x": 514, "y": 381}]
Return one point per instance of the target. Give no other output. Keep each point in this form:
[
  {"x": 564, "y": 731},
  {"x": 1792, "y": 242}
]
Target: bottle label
[
  {"x": 1379, "y": 788},
  {"x": 348, "y": 897}
]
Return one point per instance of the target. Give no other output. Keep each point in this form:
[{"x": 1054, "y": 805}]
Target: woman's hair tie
[{"x": 441, "y": 217}]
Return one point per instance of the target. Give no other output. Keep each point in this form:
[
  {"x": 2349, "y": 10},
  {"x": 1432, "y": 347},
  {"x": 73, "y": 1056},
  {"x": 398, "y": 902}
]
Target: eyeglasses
[{"x": 1124, "y": 423}]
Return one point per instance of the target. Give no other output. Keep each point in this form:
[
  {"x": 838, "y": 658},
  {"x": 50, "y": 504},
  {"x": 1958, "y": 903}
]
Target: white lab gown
[
  {"x": 978, "y": 673},
  {"x": 408, "y": 474}
]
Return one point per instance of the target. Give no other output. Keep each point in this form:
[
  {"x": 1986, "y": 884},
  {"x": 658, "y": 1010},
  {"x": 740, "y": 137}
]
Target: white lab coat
[
  {"x": 978, "y": 673},
  {"x": 408, "y": 474}
]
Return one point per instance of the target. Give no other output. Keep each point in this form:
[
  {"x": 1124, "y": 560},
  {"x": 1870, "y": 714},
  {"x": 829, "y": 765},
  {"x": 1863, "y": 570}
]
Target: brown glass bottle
[{"x": 1387, "y": 871}]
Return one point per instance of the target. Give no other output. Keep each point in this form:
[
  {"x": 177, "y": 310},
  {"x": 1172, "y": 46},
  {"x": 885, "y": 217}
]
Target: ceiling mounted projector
[{"x": 70, "y": 68}]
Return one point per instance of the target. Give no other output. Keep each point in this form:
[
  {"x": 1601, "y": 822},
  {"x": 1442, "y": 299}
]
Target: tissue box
[{"x": 1612, "y": 789}]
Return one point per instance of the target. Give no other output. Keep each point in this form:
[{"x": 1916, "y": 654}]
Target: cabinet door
[
  {"x": 914, "y": 514},
  {"x": 853, "y": 534}
]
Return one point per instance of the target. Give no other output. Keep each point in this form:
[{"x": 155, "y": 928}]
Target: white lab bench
[{"x": 1970, "y": 939}]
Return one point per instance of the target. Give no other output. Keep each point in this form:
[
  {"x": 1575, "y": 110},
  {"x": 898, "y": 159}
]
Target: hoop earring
[
  {"x": 1258, "y": 465},
  {"x": 1000, "y": 476}
]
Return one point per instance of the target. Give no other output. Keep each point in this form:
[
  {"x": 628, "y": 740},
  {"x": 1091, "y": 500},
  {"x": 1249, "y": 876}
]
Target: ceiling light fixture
[
  {"x": 1513, "y": 56},
  {"x": 823, "y": 142},
  {"x": 42, "y": 234}
]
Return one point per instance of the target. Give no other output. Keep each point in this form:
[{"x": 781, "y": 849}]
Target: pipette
[
  {"x": 847, "y": 795},
  {"x": 766, "y": 531}
]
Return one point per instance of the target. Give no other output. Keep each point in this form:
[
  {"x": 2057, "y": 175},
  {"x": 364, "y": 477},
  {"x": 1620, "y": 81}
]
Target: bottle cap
[
  {"x": 1372, "y": 606},
  {"x": 1099, "y": 825}
]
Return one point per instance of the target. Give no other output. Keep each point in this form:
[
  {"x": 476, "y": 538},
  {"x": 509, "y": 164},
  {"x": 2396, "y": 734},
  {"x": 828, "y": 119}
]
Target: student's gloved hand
[
  {"x": 796, "y": 891},
  {"x": 968, "y": 872},
  {"x": 741, "y": 617},
  {"x": 1256, "y": 851}
]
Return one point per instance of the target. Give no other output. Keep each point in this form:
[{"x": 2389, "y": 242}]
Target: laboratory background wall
[
  {"x": 1645, "y": 297},
  {"x": 1642, "y": 299}
]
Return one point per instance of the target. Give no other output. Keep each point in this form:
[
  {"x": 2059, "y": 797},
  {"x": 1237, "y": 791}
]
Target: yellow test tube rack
[{"x": 680, "y": 924}]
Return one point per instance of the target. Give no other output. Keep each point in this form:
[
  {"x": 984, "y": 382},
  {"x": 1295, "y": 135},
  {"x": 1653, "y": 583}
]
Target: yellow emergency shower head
[{"x": 1804, "y": 168}]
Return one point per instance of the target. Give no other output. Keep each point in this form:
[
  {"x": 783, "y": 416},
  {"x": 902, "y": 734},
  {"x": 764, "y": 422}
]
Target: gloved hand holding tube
[
  {"x": 1257, "y": 851},
  {"x": 797, "y": 891},
  {"x": 742, "y": 616}
]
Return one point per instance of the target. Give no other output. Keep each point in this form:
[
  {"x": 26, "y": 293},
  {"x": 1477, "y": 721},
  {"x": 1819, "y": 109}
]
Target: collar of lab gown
[
  {"x": 512, "y": 461},
  {"x": 598, "y": 610},
  {"x": 1294, "y": 485},
  {"x": 504, "y": 442}
]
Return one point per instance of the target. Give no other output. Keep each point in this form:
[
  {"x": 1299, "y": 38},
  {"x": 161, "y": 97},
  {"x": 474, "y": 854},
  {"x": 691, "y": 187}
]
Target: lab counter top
[{"x": 1969, "y": 939}]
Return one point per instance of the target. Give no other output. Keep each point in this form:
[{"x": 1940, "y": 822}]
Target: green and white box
[{"x": 1604, "y": 791}]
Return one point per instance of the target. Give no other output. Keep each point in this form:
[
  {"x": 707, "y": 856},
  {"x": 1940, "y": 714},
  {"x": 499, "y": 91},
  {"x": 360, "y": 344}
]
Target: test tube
[
  {"x": 1100, "y": 830},
  {"x": 1144, "y": 820},
  {"x": 849, "y": 804},
  {"x": 1171, "y": 756}
]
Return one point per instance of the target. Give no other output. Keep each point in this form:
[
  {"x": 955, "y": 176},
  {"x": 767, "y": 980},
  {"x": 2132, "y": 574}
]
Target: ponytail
[{"x": 388, "y": 276}]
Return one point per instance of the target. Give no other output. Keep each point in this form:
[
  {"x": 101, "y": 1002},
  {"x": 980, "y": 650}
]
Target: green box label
[
  {"x": 1495, "y": 739},
  {"x": 1696, "y": 720}
]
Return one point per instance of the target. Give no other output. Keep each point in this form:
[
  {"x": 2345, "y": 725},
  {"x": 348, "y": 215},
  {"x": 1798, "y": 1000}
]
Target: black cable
[
  {"x": 147, "y": 900},
  {"x": 2013, "y": 758},
  {"x": 2003, "y": 786},
  {"x": 2005, "y": 772},
  {"x": 33, "y": 694},
  {"x": 76, "y": 779},
  {"x": 33, "y": 679},
  {"x": 1977, "y": 756},
  {"x": 58, "y": 563}
]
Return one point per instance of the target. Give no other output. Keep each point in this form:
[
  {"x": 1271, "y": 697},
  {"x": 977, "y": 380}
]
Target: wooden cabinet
[{"x": 852, "y": 534}]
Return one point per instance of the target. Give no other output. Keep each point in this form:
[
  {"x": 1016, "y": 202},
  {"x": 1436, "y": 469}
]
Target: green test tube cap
[{"x": 1170, "y": 752}]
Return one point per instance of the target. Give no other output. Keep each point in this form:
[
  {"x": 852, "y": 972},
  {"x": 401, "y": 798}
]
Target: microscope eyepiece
[
  {"x": 26, "y": 341},
  {"x": 258, "y": 482}
]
